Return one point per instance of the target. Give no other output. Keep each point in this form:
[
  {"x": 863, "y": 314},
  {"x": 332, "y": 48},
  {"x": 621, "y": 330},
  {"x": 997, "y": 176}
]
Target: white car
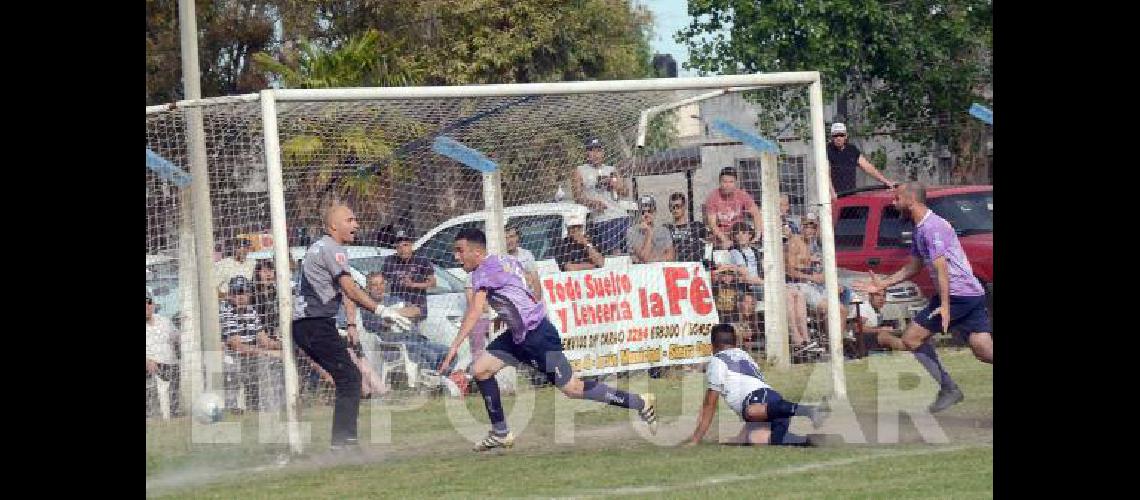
[
  {"x": 541, "y": 227},
  {"x": 446, "y": 302}
]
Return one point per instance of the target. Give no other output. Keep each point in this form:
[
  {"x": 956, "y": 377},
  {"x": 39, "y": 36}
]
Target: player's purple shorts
[{"x": 967, "y": 315}]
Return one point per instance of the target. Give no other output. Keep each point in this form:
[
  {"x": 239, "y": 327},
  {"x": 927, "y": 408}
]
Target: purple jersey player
[
  {"x": 959, "y": 305},
  {"x": 498, "y": 281},
  {"x": 503, "y": 278}
]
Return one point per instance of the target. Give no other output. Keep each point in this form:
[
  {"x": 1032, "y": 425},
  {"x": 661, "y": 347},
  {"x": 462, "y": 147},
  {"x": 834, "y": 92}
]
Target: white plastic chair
[{"x": 403, "y": 362}]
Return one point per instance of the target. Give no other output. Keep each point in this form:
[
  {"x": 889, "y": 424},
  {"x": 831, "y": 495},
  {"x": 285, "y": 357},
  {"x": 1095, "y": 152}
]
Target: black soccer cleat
[{"x": 946, "y": 398}]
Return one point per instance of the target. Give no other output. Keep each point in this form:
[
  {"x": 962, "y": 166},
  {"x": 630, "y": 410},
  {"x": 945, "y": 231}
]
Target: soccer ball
[{"x": 209, "y": 408}]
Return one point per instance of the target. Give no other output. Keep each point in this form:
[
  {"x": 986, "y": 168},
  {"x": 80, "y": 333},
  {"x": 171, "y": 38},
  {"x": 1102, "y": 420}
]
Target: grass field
[{"x": 608, "y": 455}]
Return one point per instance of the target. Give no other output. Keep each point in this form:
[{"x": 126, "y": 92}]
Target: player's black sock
[
  {"x": 781, "y": 408},
  {"x": 928, "y": 357},
  {"x": 602, "y": 393},
  {"x": 490, "y": 390},
  {"x": 790, "y": 439}
]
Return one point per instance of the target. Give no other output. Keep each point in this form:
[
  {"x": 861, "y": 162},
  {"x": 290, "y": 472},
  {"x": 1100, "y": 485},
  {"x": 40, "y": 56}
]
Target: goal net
[{"x": 567, "y": 155}]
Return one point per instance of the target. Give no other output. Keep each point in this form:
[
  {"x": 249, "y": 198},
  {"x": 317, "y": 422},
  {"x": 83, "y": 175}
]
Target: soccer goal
[{"x": 421, "y": 163}]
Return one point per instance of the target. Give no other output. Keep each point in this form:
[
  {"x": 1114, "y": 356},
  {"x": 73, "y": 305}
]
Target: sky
[{"x": 669, "y": 16}]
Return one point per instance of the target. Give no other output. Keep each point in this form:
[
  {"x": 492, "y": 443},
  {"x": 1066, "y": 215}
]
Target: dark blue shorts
[
  {"x": 967, "y": 315},
  {"x": 779, "y": 426},
  {"x": 541, "y": 349}
]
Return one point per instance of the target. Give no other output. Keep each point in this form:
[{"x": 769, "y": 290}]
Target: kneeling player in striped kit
[{"x": 732, "y": 373}]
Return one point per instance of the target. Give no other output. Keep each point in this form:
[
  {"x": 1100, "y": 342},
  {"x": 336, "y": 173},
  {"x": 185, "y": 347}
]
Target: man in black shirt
[
  {"x": 409, "y": 276},
  {"x": 575, "y": 252},
  {"x": 843, "y": 158},
  {"x": 688, "y": 237}
]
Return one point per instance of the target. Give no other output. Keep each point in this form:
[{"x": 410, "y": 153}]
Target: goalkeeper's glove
[{"x": 401, "y": 323}]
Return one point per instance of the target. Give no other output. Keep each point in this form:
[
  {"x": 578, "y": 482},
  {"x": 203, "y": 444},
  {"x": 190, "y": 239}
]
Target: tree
[
  {"x": 334, "y": 161},
  {"x": 450, "y": 43},
  {"x": 913, "y": 66},
  {"x": 502, "y": 41},
  {"x": 348, "y": 43},
  {"x": 230, "y": 32},
  {"x": 541, "y": 41},
  {"x": 369, "y": 59},
  {"x": 163, "y": 64}
]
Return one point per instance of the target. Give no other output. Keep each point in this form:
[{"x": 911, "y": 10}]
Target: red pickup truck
[{"x": 871, "y": 235}]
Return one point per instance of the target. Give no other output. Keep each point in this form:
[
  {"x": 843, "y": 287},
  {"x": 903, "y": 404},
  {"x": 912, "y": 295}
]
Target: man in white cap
[
  {"x": 576, "y": 252},
  {"x": 843, "y": 158}
]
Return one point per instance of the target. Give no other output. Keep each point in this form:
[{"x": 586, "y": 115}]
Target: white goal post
[{"x": 280, "y": 132}]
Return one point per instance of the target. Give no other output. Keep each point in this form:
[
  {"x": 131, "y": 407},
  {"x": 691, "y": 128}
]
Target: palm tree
[
  {"x": 370, "y": 59},
  {"x": 328, "y": 159}
]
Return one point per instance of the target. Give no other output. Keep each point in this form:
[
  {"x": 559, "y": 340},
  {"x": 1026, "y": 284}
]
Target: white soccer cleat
[
  {"x": 649, "y": 412},
  {"x": 495, "y": 441}
]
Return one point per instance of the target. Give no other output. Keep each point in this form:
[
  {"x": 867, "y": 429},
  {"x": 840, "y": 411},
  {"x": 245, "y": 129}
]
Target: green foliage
[
  {"x": 230, "y": 32},
  {"x": 352, "y": 43},
  {"x": 369, "y": 59},
  {"x": 913, "y": 66},
  {"x": 660, "y": 132},
  {"x": 338, "y": 43}
]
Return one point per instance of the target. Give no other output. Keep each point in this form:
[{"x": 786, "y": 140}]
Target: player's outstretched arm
[
  {"x": 874, "y": 285},
  {"x": 353, "y": 292},
  {"x": 350, "y": 318},
  {"x": 912, "y": 266},
  {"x": 475, "y": 306},
  {"x": 704, "y": 420}
]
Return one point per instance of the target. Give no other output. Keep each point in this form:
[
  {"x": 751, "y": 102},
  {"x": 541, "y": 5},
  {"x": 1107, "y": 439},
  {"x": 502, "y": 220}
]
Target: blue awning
[{"x": 166, "y": 170}]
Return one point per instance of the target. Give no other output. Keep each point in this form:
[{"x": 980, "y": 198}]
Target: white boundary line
[{"x": 783, "y": 471}]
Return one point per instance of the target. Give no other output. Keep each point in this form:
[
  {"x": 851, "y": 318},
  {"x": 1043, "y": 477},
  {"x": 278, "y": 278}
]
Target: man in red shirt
[{"x": 726, "y": 206}]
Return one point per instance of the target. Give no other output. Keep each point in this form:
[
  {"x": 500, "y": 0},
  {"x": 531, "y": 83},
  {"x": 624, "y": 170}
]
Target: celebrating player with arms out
[{"x": 959, "y": 306}]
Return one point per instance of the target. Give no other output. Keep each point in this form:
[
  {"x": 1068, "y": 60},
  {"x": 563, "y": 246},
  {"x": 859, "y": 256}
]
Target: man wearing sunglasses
[
  {"x": 843, "y": 158},
  {"x": 646, "y": 241},
  {"x": 688, "y": 237}
]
